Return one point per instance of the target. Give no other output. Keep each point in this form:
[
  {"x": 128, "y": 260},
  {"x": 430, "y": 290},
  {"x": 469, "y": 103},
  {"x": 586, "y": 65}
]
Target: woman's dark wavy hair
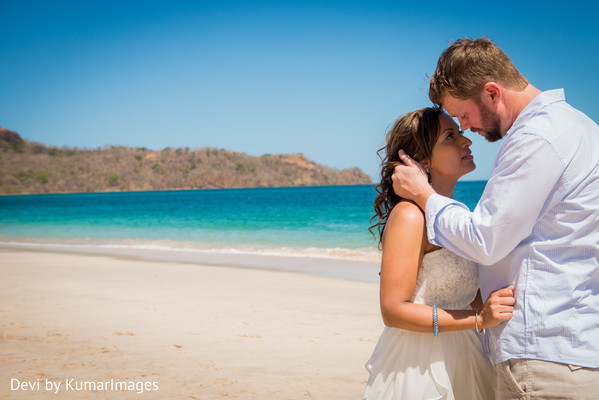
[{"x": 416, "y": 133}]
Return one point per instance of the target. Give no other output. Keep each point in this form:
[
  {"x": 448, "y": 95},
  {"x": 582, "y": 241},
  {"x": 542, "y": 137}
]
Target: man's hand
[
  {"x": 498, "y": 308},
  {"x": 410, "y": 181}
]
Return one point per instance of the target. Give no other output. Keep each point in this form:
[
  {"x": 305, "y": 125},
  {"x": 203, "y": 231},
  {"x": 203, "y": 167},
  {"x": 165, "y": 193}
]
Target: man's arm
[{"x": 519, "y": 192}]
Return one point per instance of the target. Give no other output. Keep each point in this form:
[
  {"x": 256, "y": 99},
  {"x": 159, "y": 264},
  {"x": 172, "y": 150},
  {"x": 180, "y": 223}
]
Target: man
[{"x": 536, "y": 225}]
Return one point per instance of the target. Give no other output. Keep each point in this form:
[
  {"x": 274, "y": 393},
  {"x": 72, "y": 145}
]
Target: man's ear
[{"x": 491, "y": 91}]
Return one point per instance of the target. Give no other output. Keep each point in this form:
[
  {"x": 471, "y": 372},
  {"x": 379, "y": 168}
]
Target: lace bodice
[{"x": 446, "y": 280}]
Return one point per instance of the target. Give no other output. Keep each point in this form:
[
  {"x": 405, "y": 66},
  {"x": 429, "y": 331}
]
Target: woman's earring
[{"x": 427, "y": 170}]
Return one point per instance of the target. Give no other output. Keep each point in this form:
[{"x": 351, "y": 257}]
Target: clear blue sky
[{"x": 325, "y": 79}]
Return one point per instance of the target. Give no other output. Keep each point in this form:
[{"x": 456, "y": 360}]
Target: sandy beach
[{"x": 134, "y": 328}]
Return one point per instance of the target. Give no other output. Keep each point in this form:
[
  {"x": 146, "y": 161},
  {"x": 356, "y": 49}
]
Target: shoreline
[
  {"x": 328, "y": 267},
  {"x": 373, "y": 184},
  {"x": 195, "y": 331},
  {"x": 188, "y": 189}
]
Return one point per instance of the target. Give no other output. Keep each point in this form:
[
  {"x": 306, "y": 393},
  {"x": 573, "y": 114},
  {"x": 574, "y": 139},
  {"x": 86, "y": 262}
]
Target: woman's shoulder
[
  {"x": 406, "y": 226},
  {"x": 406, "y": 212}
]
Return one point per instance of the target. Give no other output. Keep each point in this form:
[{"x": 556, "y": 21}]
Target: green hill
[{"x": 29, "y": 167}]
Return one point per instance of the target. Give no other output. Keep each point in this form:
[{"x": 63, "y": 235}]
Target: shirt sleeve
[{"x": 518, "y": 193}]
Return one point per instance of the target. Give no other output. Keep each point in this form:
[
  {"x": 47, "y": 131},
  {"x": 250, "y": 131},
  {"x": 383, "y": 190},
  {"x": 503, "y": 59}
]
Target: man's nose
[{"x": 463, "y": 124}]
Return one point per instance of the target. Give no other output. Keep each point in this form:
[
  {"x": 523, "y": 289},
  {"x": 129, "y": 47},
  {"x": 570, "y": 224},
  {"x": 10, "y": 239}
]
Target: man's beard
[{"x": 491, "y": 124}]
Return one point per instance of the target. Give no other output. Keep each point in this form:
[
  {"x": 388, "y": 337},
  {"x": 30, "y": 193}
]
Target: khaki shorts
[{"x": 535, "y": 379}]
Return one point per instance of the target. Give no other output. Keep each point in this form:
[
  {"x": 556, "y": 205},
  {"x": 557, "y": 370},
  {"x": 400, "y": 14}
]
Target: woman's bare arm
[{"x": 404, "y": 243}]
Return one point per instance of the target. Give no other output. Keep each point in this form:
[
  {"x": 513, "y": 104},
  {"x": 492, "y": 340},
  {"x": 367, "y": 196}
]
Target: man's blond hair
[{"x": 467, "y": 65}]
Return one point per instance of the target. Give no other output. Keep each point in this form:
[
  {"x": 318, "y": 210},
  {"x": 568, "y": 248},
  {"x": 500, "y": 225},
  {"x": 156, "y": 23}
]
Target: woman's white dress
[{"x": 413, "y": 366}]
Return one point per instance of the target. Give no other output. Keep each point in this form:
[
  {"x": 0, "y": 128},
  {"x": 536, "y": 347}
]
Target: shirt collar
[{"x": 541, "y": 100}]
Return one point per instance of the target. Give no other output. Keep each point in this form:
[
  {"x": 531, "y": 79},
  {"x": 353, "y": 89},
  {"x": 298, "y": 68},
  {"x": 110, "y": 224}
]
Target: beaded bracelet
[{"x": 435, "y": 322}]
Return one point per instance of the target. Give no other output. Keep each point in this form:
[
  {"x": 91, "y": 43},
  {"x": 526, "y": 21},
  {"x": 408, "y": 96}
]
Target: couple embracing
[{"x": 531, "y": 244}]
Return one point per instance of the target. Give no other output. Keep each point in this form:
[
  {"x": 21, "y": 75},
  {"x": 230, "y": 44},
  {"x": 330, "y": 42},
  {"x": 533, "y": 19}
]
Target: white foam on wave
[{"x": 360, "y": 254}]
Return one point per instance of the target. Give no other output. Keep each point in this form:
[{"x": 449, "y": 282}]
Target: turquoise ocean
[{"x": 323, "y": 221}]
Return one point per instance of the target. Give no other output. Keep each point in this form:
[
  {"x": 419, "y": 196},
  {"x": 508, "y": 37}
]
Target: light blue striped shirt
[{"x": 536, "y": 226}]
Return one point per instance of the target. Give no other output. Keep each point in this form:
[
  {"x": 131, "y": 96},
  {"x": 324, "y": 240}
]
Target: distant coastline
[{"x": 34, "y": 168}]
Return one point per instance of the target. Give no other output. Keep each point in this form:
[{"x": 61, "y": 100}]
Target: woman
[{"x": 429, "y": 297}]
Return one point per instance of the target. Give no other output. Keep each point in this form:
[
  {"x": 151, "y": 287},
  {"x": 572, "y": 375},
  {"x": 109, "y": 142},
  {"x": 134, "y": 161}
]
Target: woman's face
[{"x": 451, "y": 157}]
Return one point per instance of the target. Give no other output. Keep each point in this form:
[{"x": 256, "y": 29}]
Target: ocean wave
[{"x": 359, "y": 254}]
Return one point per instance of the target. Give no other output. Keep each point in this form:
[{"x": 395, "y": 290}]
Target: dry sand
[{"x": 187, "y": 331}]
